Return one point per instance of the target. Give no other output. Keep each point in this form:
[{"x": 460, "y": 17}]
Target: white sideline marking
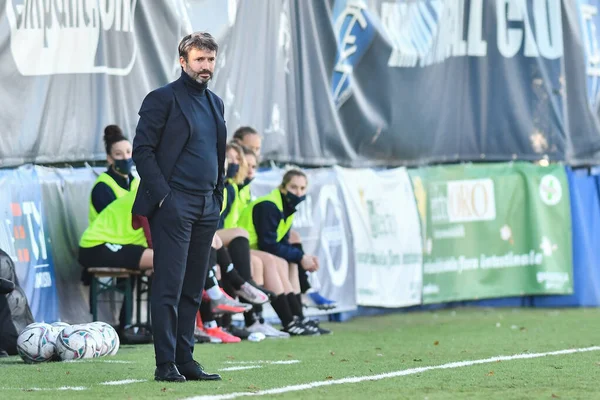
[
  {"x": 241, "y": 367},
  {"x": 404, "y": 372},
  {"x": 116, "y": 361},
  {"x": 95, "y": 360},
  {"x": 123, "y": 382},
  {"x": 282, "y": 362},
  {"x": 36, "y": 389}
]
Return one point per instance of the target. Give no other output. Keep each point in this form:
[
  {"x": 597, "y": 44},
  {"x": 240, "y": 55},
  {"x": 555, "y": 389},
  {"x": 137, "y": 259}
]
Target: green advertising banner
[{"x": 494, "y": 230}]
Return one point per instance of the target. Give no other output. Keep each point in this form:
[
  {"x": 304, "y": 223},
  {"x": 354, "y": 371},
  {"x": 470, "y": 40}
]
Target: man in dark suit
[{"x": 179, "y": 151}]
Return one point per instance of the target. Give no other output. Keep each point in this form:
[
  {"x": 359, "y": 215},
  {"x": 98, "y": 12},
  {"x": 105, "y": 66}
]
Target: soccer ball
[
  {"x": 59, "y": 326},
  {"x": 101, "y": 347},
  {"x": 76, "y": 342},
  {"x": 36, "y": 343},
  {"x": 110, "y": 337}
]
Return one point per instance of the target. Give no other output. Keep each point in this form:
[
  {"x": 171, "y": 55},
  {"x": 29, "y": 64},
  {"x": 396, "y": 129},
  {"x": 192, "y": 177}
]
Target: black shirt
[{"x": 197, "y": 168}]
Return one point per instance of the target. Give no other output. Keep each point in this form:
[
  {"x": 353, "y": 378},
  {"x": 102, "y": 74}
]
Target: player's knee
[{"x": 239, "y": 232}]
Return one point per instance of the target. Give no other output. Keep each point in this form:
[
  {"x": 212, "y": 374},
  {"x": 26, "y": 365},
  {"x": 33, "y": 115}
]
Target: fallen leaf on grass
[
  {"x": 329, "y": 377},
  {"x": 417, "y": 359},
  {"x": 556, "y": 367},
  {"x": 377, "y": 348},
  {"x": 68, "y": 372},
  {"x": 230, "y": 357},
  {"x": 436, "y": 342},
  {"x": 252, "y": 387},
  {"x": 343, "y": 360},
  {"x": 163, "y": 389},
  {"x": 555, "y": 396},
  {"x": 490, "y": 373},
  {"x": 290, "y": 356},
  {"x": 332, "y": 353},
  {"x": 522, "y": 328}
]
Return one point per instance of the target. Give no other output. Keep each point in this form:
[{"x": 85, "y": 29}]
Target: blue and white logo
[
  {"x": 590, "y": 24},
  {"x": 354, "y": 31}
]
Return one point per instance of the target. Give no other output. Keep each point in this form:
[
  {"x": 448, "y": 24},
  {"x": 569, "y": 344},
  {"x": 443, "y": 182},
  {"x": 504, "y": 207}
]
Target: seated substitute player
[
  {"x": 251, "y": 141},
  {"x": 268, "y": 221}
]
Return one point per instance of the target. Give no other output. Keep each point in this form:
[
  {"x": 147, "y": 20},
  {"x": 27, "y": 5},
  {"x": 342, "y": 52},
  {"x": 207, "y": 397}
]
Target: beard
[{"x": 196, "y": 75}]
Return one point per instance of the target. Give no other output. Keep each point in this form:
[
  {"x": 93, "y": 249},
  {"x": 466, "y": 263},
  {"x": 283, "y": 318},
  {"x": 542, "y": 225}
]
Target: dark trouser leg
[
  {"x": 196, "y": 270},
  {"x": 8, "y": 332},
  {"x": 171, "y": 228}
]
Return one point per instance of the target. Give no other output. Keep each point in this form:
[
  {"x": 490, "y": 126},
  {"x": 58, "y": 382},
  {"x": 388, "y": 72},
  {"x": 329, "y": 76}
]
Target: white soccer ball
[
  {"x": 110, "y": 336},
  {"x": 76, "y": 342},
  {"x": 101, "y": 346},
  {"x": 59, "y": 326},
  {"x": 36, "y": 343}
]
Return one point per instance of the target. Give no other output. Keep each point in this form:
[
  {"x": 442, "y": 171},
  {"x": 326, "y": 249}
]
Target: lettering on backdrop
[
  {"x": 462, "y": 201},
  {"x": 589, "y": 26},
  {"x": 30, "y": 240},
  {"x": 354, "y": 32},
  {"x": 55, "y": 30},
  {"x": 471, "y": 200},
  {"x": 424, "y": 33}
]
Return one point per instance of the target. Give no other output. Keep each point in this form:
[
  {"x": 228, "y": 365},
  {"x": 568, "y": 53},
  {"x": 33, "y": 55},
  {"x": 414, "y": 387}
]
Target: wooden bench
[{"x": 98, "y": 286}]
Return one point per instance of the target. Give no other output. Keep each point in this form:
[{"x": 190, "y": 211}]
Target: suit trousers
[{"x": 182, "y": 231}]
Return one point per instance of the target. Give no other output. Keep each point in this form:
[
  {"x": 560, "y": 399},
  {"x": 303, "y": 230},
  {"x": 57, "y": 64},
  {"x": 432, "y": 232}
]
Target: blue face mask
[
  {"x": 294, "y": 200},
  {"x": 124, "y": 166},
  {"x": 232, "y": 170},
  {"x": 247, "y": 181}
]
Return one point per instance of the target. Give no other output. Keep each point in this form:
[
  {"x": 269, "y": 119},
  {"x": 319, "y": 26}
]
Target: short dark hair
[
  {"x": 244, "y": 131},
  {"x": 197, "y": 40}
]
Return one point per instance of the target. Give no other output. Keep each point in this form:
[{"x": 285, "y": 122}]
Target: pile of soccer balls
[{"x": 40, "y": 342}]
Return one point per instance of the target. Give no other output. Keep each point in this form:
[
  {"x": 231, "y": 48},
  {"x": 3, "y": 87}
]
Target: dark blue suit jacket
[{"x": 161, "y": 134}]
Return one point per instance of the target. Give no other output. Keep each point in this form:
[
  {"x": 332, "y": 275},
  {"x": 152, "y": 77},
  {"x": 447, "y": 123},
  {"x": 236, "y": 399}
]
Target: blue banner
[{"x": 24, "y": 237}]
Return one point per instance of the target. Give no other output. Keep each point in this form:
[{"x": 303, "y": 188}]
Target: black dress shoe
[
  {"x": 6, "y": 286},
  {"x": 168, "y": 373},
  {"x": 193, "y": 371}
]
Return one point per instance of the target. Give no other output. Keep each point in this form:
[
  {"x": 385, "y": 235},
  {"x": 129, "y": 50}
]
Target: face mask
[
  {"x": 294, "y": 200},
  {"x": 124, "y": 166},
  {"x": 247, "y": 181},
  {"x": 232, "y": 170}
]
